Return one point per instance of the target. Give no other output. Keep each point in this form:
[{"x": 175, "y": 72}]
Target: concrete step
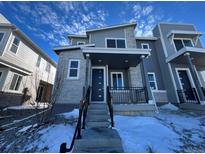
[
  {"x": 95, "y": 124},
  {"x": 98, "y": 140},
  {"x": 98, "y": 106},
  {"x": 98, "y": 116},
  {"x": 97, "y": 119},
  {"x": 97, "y": 112}
]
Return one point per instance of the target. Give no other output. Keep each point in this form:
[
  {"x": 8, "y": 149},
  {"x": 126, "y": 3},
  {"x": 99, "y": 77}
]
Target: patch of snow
[
  {"x": 145, "y": 134},
  {"x": 25, "y": 129},
  {"x": 23, "y": 107},
  {"x": 52, "y": 137},
  {"x": 70, "y": 115},
  {"x": 169, "y": 106}
]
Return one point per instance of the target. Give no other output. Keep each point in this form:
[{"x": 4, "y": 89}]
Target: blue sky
[{"x": 49, "y": 23}]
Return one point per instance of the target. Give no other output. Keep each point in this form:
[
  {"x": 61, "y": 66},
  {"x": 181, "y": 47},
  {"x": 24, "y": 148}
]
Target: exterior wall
[
  {"x": 71, "y": 90},
  {"x": 135, "y": 76},
  {"x": 130, "y": 37},
  {"x": 167, "y": 77},
  {"x": 98, "y": 37},
  {"x": 3, "y": 43},
  {"x": 152, "y": 63},
  {"x": 75, "y": 40}
]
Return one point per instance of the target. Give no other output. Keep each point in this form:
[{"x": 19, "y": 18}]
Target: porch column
[
  {"x": 195, "y": 78},
  {"x": 145, "y": 79},
  {"x": 87, "y": 70}
]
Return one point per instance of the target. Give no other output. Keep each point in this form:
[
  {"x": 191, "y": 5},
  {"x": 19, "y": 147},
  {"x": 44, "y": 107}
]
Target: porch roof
[
  {"x": 115, "y": 57},
  {"x": 197, "y": 55}
]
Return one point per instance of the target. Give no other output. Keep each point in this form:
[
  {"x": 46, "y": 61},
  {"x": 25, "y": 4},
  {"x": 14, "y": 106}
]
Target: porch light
[
  {"x": 126, "y": 61},
  {"x": 99, "y": 60}
]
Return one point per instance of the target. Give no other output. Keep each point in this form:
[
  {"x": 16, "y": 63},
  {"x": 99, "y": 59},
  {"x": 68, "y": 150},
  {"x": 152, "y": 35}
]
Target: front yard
[{"x": 170, "y": 130}]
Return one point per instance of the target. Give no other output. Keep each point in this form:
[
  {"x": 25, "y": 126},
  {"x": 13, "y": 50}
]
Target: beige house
[{"x": 26, "y": 73}]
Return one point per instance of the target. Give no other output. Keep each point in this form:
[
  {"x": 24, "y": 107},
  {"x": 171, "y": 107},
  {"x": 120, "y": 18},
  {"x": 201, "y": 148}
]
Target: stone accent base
[{"x": 61, "y": 108}]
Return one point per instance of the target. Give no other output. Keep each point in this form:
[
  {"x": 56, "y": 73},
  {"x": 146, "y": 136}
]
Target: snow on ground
[
  {"x": 28, "y": 106},
  {"x": 167, "y": 131},
  {"x": 52, "y": 137},
  {"x": 169, "y": 106},
  {"x": 70, "y": 115}
]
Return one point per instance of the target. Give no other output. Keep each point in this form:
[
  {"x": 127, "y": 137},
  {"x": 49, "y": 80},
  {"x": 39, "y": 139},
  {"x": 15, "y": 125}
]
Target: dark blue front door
[
  {"x": 186, "y": 85},
  {"x": 97, "y": 85}
]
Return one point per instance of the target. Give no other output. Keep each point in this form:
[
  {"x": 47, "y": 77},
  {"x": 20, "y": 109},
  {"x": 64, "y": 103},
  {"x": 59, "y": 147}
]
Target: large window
[
  {"x": 115, "y": 43},
  {"x": 152, "y": 81},
  {"x": 181, "y": 43},
  {"x": 38, "y": 61},
  {"x": 1, "y": 36},
  {"x": 15, "y": 83},
  {"x": 117, "y": 79},
  {"x": 73, "y": 69},
  {"x": 15, "y": 45}
]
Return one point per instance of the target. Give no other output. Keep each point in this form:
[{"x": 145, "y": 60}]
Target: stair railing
[
  {"x": 80, "y": 123},
  {"x": 110, "y": 106}
]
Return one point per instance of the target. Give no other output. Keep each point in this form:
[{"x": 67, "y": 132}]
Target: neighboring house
[
  {"x": 26, "y": 73},
  {"x": 136, "y": 70}
]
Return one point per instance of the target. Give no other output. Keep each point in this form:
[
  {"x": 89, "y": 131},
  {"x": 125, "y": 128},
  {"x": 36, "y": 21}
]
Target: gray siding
[
  {"x": 71, "y": 90},
  {"x": 75, "y": 40},
  {"x": 151, "y": 63}
]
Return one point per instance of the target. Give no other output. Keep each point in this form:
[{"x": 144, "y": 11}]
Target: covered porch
[
  {"x": 120, "y": 72},
  {"x": 191, "y": 88}
]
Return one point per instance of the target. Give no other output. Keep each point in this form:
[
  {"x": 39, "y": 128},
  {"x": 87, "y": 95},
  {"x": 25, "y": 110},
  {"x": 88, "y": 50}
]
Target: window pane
[
  {"x": 16, "y": 41},
  {"x": 73, "y": 73},
  {"x": 152, "y": 85},
  {"x": 187, "y": 43},
  {"x": 114, "y": 79},
  {"x": 150, "y": 77},
  {"x": 13, "y": 82},
  {"x": 111, "y": 43},
  {"x": 1, "y": 36},
  {"x": 74, "y": 64},
  {"x": 18, "y": 83},
  {"x": 38, "y": 61},
  {"x": 145, "y": 46},
  {"x": 120, "y": 43},
  {"x": 80, "y": 43},
  {"x": 119, "y": 80},
  {"x": 14, "y": 48},
  {"x": 178, "y": 44},
  {"x": 48, "y": 67}
]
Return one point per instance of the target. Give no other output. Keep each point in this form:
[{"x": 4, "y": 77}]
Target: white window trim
[
  {"x": 78, "y": 69},
  {"x": 80, "y": 42},
  {"x": 155, "y": 81},
  {"x": 107, "y": 38},
  {"x": 48, "y": 65},
  {"x": 121, "y": 76},
  {"x": 182, "y": 42},
  {"x": 145, "y": 44},
  {"x": 15, "y": 82},
  {"x": 12, "y": 44},
  {"x": 2, "y": 37}
]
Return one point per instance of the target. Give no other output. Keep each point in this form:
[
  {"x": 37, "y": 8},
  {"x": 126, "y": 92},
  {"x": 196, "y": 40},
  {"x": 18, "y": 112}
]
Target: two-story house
[
  {"x": 26, "y": 73},
  {"x": 139, "y": 71}
]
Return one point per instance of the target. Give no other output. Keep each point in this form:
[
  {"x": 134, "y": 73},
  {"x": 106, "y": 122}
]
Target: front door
[
  {"x": 98, "y": 84},
  {"x": 186, "y": 85}
]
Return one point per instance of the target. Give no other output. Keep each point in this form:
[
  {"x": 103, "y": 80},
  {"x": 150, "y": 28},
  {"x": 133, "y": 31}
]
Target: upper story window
[
  {"x": 117, "y": 79},
  {"x": 73, "y": 69},
  {"x": 15, "y": 83},
  {"x": 1, "y": 36},
  {"x": 48, "y": 67},
  {"x": 38, "y": 61},
  {"x": 152, "y": 81},
  {"x": 181, "y": 43},
  {"x": 145, "y": 46},
  {"x": 15, "y": 45},
  {"x": 115, "y": 43},
  {"x": 80, "y": 42}
]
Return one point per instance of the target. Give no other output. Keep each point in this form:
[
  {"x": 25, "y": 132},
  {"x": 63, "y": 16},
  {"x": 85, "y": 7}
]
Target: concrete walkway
[{"x": 98, "y": 137}]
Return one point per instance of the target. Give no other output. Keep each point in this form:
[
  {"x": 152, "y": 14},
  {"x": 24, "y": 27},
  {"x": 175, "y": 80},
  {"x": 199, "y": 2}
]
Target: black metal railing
[
  {"x": 129, "y": 95},
  {"x": 83, "y": 107},
  {"x": 183, "y": 98},
  {"x": 110, "y": 106}
]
